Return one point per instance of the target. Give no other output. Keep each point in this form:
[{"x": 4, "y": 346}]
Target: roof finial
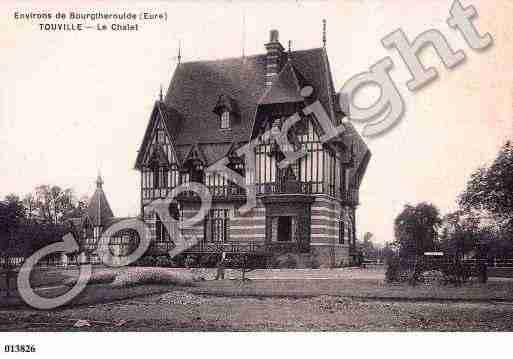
[
  {"x": 161, "y": 97},
  {"x": 324, "y": 33},
  {"x": 179, "y": 51},
  {"x": 290, "y": 51},
  {"x": 99, "y": 180}
]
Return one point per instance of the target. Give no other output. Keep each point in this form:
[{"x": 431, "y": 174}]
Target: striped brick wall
[
  {"x": 250, "y": 226},
  {"x": 197, "y": 229},
  {"x": 325, "y": 220}
]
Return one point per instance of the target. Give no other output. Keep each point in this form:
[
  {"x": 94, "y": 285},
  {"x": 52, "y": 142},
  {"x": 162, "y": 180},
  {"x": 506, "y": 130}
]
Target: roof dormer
[{"x": 227, "y": 110}]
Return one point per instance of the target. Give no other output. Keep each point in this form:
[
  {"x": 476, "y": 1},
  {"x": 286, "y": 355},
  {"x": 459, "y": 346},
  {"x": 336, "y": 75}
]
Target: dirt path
[{"x": 180, "y": 311}]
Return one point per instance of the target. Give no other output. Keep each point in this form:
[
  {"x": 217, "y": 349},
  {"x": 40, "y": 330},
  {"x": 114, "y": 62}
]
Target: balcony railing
[
  {"x": 288, "y": 187},
  {"x": 234, "y": 192},
  {"x": 245, "y": 247},
  {"x": 218, "y": 193}
]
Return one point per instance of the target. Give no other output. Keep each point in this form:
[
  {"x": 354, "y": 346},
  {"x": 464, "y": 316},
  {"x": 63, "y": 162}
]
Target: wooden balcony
[
  {"x": 228, "y": 247},
  {"x": 219, "y": 193},
  {"x": 287, "y": 187},
  {"x": 235, "y": 193}
]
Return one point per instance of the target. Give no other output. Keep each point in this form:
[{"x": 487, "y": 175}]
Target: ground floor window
[
  {"x": 161, "y": 233},
  {"x": 217, "y": 225},
  {"x": 283, "y": 228}
]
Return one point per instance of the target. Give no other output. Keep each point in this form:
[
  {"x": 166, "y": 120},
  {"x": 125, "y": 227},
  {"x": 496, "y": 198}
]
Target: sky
[{"x": 72, "y": 103}]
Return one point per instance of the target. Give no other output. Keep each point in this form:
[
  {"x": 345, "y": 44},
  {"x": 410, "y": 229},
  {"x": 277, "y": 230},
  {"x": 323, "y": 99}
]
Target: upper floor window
[
  {"x": 160, "y": 177},
  {"x": 161, "y": 136},
  {"x": 225, "y": 120}
]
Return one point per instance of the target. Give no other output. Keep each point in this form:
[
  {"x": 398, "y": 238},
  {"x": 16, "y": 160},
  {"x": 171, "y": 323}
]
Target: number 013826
[{"x": 20, "y": 348}]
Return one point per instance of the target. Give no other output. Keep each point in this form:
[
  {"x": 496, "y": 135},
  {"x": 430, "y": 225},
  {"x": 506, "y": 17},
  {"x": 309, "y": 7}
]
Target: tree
[
  {"x": 79, "y": 209},
  {"x": 462, "y": 232},
  {"x": 491, "y": 190},
  {"x": 12, "y": 213},
  {"x": 416, "y": 229},
  {"x": 53, "y": 204},
  {"x": 387, "y": 252},
  {"x": 367, "y": 246},
  {"x": 30, "y": 204}
]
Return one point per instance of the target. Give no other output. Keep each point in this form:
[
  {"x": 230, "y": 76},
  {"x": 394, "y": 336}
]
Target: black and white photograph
[{"x": 260, "y": 167}]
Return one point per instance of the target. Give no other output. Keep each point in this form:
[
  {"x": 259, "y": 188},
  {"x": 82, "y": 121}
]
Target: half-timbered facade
[{"x": 212, "y": 109}]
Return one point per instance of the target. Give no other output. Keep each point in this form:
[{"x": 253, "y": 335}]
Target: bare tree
[{"x": 53, "y": 202}]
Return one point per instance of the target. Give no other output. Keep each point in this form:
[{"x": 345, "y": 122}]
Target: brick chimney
[{"x": 274, "y": 58}]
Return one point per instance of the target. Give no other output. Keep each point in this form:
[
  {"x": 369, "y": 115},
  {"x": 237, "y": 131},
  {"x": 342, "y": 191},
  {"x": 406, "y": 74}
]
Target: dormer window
[
  {"x": 225, "y": 120},
  {"x": 227, "y": 110}
]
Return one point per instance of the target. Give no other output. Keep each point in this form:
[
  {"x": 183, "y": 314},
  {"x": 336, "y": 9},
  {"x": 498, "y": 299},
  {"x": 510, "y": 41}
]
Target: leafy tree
[
  {"x": 12, "y": 213},
  {"x": 416, "y": 229},
  {"x": 387, "y": 252},
  {"x": 79, "y": 209},
  {"x": 462, "y": 232},
  {"x": 491, "y": 189}
]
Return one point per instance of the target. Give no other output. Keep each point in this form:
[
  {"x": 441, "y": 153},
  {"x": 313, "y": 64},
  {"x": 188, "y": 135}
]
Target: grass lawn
[{"x": 494, "y": 290}]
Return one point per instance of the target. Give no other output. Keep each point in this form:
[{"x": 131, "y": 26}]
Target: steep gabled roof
[
  {"x": 172, "y": 121},
  {"x": 98, "y": 209},
  {"x": 196, "y": 86},
  {"x": 195, "y": 152},
  {"x": 285, "y": 88}
]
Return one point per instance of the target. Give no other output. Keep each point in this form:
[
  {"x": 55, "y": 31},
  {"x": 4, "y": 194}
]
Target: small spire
[
  {"x": 99, "y": 180},
  {"x": 244, "y": 35},
  {"x": 290, "y": 51},
  {"x": 161, "y": 97},
  {"x": 324, "y": 33},
  {"x": 179, "y": 51}
]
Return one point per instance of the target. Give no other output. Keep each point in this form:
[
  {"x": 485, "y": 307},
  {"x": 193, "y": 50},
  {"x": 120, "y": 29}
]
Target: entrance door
[{"x": 284, "y": 229}]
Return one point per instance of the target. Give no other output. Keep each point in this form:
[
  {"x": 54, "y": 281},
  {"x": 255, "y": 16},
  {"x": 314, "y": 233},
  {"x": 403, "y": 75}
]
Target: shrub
[
  {"x": 393, "y": 271},
  {"x": 286, "y": 261},
  {"x": 140, "y": 276},
  {"x": 190, "y": 261},
  {"x": 101, "y": 277},
  {"x": 433, "y": 277},
  {"x": 146, "y": 261},
  {"x": 209, "y": 260},
  {"x": 165, "y": 261},
  {"x": 456, "y": 272}
]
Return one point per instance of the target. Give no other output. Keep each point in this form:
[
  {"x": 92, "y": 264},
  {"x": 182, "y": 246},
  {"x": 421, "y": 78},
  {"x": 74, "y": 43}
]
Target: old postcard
[{"x": 228, "y": 166}]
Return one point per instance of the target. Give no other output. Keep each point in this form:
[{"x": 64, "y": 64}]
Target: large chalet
[{"x": 214, "y": 107}]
